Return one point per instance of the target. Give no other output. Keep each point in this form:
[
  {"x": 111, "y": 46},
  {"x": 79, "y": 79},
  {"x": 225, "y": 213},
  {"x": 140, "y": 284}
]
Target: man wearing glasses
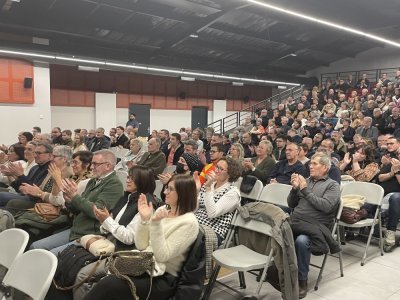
[
  {"x": 103, "y": 190},
  {"x": 216, "y": 153},
  {"x": 43, "y": 157}
]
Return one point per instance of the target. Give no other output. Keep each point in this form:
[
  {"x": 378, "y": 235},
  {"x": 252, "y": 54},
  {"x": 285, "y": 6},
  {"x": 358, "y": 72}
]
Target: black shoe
[{"x": 303, "y": 289}]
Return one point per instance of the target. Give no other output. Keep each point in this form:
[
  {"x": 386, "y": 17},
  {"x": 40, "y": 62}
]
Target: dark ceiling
[{"x": 235, "y": 37}]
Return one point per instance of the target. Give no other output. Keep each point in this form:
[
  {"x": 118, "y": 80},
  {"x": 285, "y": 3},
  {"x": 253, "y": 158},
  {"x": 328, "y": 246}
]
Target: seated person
[
  {"x": 361, "y": 165},
  {"x": 284, "y": 169},
  {"x": 262, "y": 165},
  {"x": 154, "y": 158},
  {"x": 36, "y": 176},
  {"x": 132, "y": 157},
  {"x": 119, "y": 224},
  {"x": 100, "y": 141},
  {"x": 219, "y": 197},
  {"x": 315, "y": 202},
  {"x": 103, "y": 190},
  {"x": 216, "y": 153},
  {"x": 168, "y": 234},
  {"x": 15, "y": 155}
]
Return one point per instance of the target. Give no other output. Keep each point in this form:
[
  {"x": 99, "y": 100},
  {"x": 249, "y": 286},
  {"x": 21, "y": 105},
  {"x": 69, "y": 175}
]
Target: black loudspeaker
[
  {"x": 246, "y": 99},
  {"x": 27, "y": 82},
  {"x": 182, "y": 95}
]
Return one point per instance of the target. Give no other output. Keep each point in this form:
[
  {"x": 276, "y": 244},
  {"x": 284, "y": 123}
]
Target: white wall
[
  {"x": 22, "y": 117},
  {"x": 71, "y": 118},
  {"x": 219, "y": 111},
  {"x": 376, "y": 58},
  {"x": 106, "y": 110}
]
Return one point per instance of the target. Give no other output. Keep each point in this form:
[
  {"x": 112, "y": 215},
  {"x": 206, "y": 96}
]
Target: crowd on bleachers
[{"x": 345, "y": 127}]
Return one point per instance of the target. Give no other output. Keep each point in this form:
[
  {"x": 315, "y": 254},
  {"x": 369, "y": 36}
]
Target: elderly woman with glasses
[
  {"x": 133, "y": 156},
  {"x": 219, "y": 197}
]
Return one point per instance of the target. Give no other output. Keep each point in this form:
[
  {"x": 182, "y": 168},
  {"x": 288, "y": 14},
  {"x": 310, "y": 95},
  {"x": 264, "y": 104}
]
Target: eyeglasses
[
  {"x": 75, "y": 162},
  {"x": 57, "y": 156},
  {"x": 219, "y": 168},
  {"x": 390, "y": 144},
  {"x": 169, "y": 189},
  {"x": 213, "y": 151},
  {"x": 38, "y": 152},
  {"x": 95, "y": 164},
  {"x": 129, "y": 178}
]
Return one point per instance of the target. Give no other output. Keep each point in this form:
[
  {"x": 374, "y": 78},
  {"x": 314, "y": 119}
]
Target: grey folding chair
[
  {"x": 275, "y": 193},
  {"x": 335, "y": 232},
  {"x": 239, "y": 257},
  {"x": 255, "y": 192},
  {"x": 374, "y": 195}
]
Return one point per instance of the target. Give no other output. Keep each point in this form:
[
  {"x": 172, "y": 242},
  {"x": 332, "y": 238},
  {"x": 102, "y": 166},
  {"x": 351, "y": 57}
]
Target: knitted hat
[{"x": 193, "y": 162}]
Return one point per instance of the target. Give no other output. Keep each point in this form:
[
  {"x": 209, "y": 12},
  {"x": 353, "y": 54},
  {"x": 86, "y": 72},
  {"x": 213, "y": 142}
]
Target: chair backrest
[
  {"x": 32, "y": 273},
  {"x": 253, "y": 225},
  {"x": 12, "y": 244},
  {"x": 122, "y": 175},
  {"x": 157, "y": 191},
  {"x": 255, "y": 192},
  {"x": 238, "y": 182},
  {"x": 371, "y": 191},
  {"x": 275, "y": 193}
]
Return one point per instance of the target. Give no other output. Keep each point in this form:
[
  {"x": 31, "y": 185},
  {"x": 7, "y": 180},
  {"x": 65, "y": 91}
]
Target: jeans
[
  {"x": 303, "y": 253},
  {"x": 394, "y": 212},
  {"x": 6, "y": 196},
  {"x": 54, "y": 243}
]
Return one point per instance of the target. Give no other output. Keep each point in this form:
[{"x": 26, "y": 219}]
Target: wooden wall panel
[
  {"x": 160, "y": 92},
  {"x": 12, "y": 74}
]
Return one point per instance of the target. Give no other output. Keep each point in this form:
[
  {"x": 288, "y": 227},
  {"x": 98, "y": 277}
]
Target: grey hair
[
  {"x": 323, "y": 158},
  {"x": 269, "y": 146},
  {"x": 108, "y": 156},
  {"x": 192, "y": 143},
  {"x": 138, "y": 142},
  {"x": 64, "y": 151},
  {"x": 48, "y": 147}
]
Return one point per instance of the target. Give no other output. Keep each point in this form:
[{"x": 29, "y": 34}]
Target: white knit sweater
[{"x": 169, "y": 239}]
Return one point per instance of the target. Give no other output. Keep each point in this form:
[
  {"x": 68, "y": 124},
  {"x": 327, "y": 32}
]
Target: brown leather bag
[
  {"x": 47, "y": 211},
  {"x": 351, "y": 216}
]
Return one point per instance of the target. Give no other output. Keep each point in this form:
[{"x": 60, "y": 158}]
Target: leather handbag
[
  {"x": 248, "y": 183},
  {"x": 97, "y": 245},
  {"x": 132, "y": 263},
  {"x": 47, "y": 211},
  {"x": 351, "y": 216}
]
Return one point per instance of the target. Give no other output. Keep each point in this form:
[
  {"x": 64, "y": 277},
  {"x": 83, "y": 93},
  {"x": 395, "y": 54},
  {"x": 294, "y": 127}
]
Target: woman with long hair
[{"x": 168, "y": 233}]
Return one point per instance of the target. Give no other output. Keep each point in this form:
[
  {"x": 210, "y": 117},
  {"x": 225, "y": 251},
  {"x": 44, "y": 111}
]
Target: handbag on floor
[{"x": 123, "y": 264}]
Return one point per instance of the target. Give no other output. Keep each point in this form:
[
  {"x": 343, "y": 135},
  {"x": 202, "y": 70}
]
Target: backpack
[{"x": 6, "y": 220}]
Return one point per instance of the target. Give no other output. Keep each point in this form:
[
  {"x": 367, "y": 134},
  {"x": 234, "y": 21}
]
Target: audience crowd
[{"x": 342, "y": 128}]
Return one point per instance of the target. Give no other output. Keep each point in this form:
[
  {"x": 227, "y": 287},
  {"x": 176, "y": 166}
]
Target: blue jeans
[
  {"x": 303, "y": 253},
  {"x": 54, "y": 243},
  {"x": 394, "y": 212},
  {"x": 6, "y": 196}
]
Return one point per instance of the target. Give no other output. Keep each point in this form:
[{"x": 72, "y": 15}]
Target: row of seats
[{"x": 30, "y": 272}]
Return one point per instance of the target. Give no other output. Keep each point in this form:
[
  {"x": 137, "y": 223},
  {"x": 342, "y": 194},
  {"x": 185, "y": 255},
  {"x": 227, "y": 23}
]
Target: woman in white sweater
[{"x": 168, "y": 233}]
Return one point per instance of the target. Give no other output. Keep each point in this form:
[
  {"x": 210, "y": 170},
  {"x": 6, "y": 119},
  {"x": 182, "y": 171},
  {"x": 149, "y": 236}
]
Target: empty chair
[
  {"x": 275, "y": 193},
  {"x": 12, "y": 244},
  {"x": 239, "y": 257},
  {"x": 159, "y": 187},
  {"x": 374, "y": 195},
  {"x": 32, "y": 273}
]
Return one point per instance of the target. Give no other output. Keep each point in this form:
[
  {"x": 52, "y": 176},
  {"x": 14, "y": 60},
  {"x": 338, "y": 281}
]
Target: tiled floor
[{"x": 378, "y": 279}]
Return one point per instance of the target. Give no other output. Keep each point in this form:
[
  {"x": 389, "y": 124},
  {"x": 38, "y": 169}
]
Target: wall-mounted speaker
[
  {"x": 182, "y": 95},
  {"x": 27, "y": 82}
]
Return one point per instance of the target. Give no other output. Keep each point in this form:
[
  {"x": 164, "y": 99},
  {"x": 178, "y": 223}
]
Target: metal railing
[{"x": 232, "y": 121}]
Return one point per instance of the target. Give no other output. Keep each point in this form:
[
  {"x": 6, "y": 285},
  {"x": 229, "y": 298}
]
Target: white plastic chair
[
  {"x": 335, "y": 232},
  {"x": 122, "y": 175},
  {"x": 240, "y": 258},
  {"x": 238, "y": 182},
  {"x": 255, "y": 192},
  {"x": 12, "y": 244},
  {"x": 157, "y": 191},
  {"x": 32, "y": 273},
  {"x": 374, "y": 195},
  {"x": 275, "y": 193},
  {"x": 170, "y": 169}
]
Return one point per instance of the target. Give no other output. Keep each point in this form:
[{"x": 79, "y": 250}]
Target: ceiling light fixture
[
  {"x": 327, "y": 23},
  {"x": 195, "y": 36},
  {"x": 184, "y": 78},
  {"x": 235, "y": 83},
  {"x": 287, "y": 55},
  {"x": 88, "y": 69},
  {"x": 144, "y": 68}
]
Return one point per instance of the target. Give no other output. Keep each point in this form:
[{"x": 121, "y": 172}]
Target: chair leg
[
  {"x": 211, "y": 281},
  {"x": 242, "y": 280},
  {"x": 320, "y": 272},
  {"x": 368, "y": 242},
  {"x": 340, "y": 252},
  {"x": 380, "y": 233}
]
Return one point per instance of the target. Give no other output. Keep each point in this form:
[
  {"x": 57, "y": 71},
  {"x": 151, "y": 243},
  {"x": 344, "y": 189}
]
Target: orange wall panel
[{"x": 12, "y": 74}]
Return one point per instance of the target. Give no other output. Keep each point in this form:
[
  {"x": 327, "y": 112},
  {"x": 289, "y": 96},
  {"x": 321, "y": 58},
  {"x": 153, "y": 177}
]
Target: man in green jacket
[{"x": 103, "y": 190}]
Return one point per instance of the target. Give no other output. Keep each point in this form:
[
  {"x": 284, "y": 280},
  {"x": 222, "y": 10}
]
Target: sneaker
[{"x": 390, "y": 238}]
